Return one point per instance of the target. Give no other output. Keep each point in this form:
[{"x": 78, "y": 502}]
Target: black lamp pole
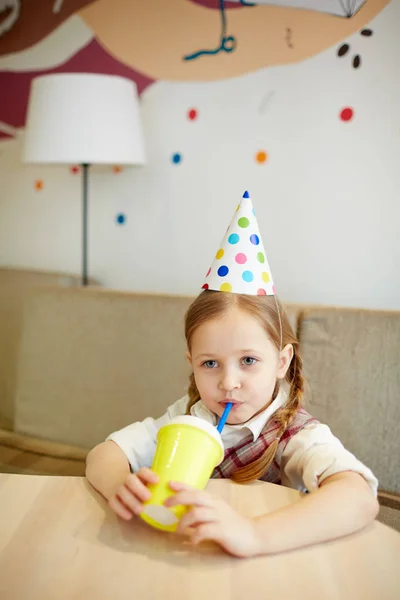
[{"x": 85, "y": 175}]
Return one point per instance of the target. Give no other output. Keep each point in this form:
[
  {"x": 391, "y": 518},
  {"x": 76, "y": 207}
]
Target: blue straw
[{"x": 224, "y": 417}]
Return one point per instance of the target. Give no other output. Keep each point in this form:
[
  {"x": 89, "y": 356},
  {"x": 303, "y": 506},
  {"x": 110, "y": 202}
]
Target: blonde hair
[{"x": 273, "y": 318}]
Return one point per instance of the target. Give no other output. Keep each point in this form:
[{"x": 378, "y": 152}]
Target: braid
[
  {"x": 193, "y": 394},
  {"x": 283, "y": 417}
]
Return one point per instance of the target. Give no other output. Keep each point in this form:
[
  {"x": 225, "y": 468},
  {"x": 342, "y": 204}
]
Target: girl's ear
[
  {"x": 285, "y": 358},
  {"x": 188, "y": 356}
]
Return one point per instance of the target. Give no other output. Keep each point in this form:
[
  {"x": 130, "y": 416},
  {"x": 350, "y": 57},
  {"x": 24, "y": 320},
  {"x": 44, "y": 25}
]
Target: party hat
[{"x": 240, "y": 266}]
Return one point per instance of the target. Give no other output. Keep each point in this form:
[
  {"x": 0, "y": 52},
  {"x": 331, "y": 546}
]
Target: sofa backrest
[
  {"x": 14, "y": 286},
  {"x": 351, "y": 362},
  {"x": 95, "y": 360}
]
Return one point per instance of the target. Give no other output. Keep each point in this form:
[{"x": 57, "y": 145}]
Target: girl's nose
[{"x": 229, "y": 382}]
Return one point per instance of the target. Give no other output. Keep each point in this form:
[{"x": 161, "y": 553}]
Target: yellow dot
[
  {"x": 219, "y": 254},
  {"x": 226, "y": 287},
  {"x": 261, "y": 157},
  {"x": 265, "y": 277},
  {"x": 238, "y": 206}
]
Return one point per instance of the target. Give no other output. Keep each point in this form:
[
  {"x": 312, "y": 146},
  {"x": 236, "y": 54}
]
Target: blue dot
[
  {"x": 176, "y": 158},
  {"x": 247, "y": 276},
  {"x": 254, "y": 212},
  {"x": 121, "y": 219},
  {"x": 233, "y": 238},
  {"x": 246, "y": 194},
  {"x": 222, "y": 271},
  {"x": 255, "y": 239}
]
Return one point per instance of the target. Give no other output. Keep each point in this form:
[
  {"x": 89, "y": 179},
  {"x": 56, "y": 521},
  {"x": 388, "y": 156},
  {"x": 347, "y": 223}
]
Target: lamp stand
[{"x": 85, "y": 176}]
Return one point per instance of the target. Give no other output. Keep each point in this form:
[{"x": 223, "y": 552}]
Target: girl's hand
[
  {"x": 128, "y": 498},
  {"x": 211, "y": 518}
]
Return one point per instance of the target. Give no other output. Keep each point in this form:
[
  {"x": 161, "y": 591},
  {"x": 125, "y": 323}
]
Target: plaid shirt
[{"x": 249, "y": 450}]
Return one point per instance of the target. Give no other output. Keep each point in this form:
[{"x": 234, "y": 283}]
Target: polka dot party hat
[{"x": 240, "y": 266}]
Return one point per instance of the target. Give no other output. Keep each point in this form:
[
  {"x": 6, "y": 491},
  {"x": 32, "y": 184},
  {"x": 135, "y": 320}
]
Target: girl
[{"x": 242, "y": 349}]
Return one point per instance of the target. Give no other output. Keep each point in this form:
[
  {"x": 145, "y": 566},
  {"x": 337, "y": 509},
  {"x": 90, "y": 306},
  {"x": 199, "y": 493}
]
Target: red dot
[
  {"x": 208, "y": 272},
  {"x": 205, "y": 286},
  {"x": 347, "y": 114},
  {"x": 261, "y": 292},
  {"x": 192, "y": 114},
  {"x": 74, "y": 170}
]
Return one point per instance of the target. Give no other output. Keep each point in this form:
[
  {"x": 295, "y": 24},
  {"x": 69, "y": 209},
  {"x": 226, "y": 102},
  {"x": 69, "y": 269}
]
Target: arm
[
  {"x": 107, "y": 468},
  {"x": 343, "y": 504}
]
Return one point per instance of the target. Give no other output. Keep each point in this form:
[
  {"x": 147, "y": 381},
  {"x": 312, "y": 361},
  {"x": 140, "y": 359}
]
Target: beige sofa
[
  {"x": 92, "y": 360},
  {"x": 14, "y": 286}
]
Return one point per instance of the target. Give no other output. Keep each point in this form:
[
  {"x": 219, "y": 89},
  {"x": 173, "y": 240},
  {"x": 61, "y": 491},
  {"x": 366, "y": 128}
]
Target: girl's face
[{"x": 234, "y": 360}]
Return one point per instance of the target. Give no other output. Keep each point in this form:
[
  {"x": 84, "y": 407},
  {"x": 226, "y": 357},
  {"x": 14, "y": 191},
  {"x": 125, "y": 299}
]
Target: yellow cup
[{"x": 188, "y": 450}]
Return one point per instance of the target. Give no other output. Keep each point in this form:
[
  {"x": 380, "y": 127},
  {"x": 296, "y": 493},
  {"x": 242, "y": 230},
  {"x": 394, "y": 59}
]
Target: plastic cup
[{"x": 188, "y": 450}]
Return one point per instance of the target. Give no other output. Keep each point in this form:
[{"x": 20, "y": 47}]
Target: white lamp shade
[{"x": 83, "y": 118}]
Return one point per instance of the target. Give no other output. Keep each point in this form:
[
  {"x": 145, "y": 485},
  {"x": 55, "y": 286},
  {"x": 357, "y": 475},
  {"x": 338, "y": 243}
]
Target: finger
[
  {"x": 147, "y": 475},
  {"x": 207, "y": 531},
  {"x": 189, "y": 498},
  {"x": 136, "y": 487},
  {"x": 128, "y": 499},
  {"x": 122, "y": 511},
  {"x": 196, "y": 517},
  {"x": 179, "y": 486}
]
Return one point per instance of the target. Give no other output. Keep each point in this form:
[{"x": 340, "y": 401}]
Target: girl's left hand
[{"x": 211, "y": 518}]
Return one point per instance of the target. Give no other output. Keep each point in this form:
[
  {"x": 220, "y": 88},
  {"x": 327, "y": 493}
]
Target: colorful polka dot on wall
[
  {"x": 176, "y": 158},
  {"x": 261, "y": 157},
  {"x": 347, "y": 114},
  {"x": 121, "y": 219},
  {"x": 192, "y": 114},
  {"x": 38, "y": 185},
  {"x": 117, "y": 169},
  {"x": 74, "y": 169}
]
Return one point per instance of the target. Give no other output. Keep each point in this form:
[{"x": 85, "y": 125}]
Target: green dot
[
  {"x": 260, "y": 257},
  {"x": 243, "y": 222}
]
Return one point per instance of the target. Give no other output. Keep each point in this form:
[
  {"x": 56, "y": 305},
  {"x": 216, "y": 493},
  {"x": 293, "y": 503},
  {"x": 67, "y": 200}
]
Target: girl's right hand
[{"x": 128, "y": 499}]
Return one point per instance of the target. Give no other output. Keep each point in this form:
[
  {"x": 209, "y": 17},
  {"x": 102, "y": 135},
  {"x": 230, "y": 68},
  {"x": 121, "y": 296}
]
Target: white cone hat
[{"x": 240, "y": 265}]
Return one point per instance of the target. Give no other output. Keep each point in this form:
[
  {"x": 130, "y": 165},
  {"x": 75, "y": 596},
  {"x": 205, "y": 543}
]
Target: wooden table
[{"x": 58, "y": 540}]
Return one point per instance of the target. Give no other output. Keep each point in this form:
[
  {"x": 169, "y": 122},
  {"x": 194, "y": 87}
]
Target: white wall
[{"x": 327, "y": 200}]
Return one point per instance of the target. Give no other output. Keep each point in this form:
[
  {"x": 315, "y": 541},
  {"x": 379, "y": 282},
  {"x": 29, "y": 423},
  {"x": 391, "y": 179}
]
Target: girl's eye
[
  {"x": 249, "y": 360},
  {"x": 210, "y": 364}
]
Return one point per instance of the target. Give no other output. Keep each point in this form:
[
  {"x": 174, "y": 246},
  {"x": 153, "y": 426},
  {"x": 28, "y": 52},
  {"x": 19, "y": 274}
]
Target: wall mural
[
  {"x": 295, "y": 98},
  {"x": 212, "y": 39}
]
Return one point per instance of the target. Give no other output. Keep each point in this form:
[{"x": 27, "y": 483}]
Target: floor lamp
[{"x": 85, "y": 119}]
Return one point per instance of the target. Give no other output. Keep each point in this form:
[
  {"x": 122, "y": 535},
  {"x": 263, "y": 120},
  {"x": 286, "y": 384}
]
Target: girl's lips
[{"x": 234, "y": 403}]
